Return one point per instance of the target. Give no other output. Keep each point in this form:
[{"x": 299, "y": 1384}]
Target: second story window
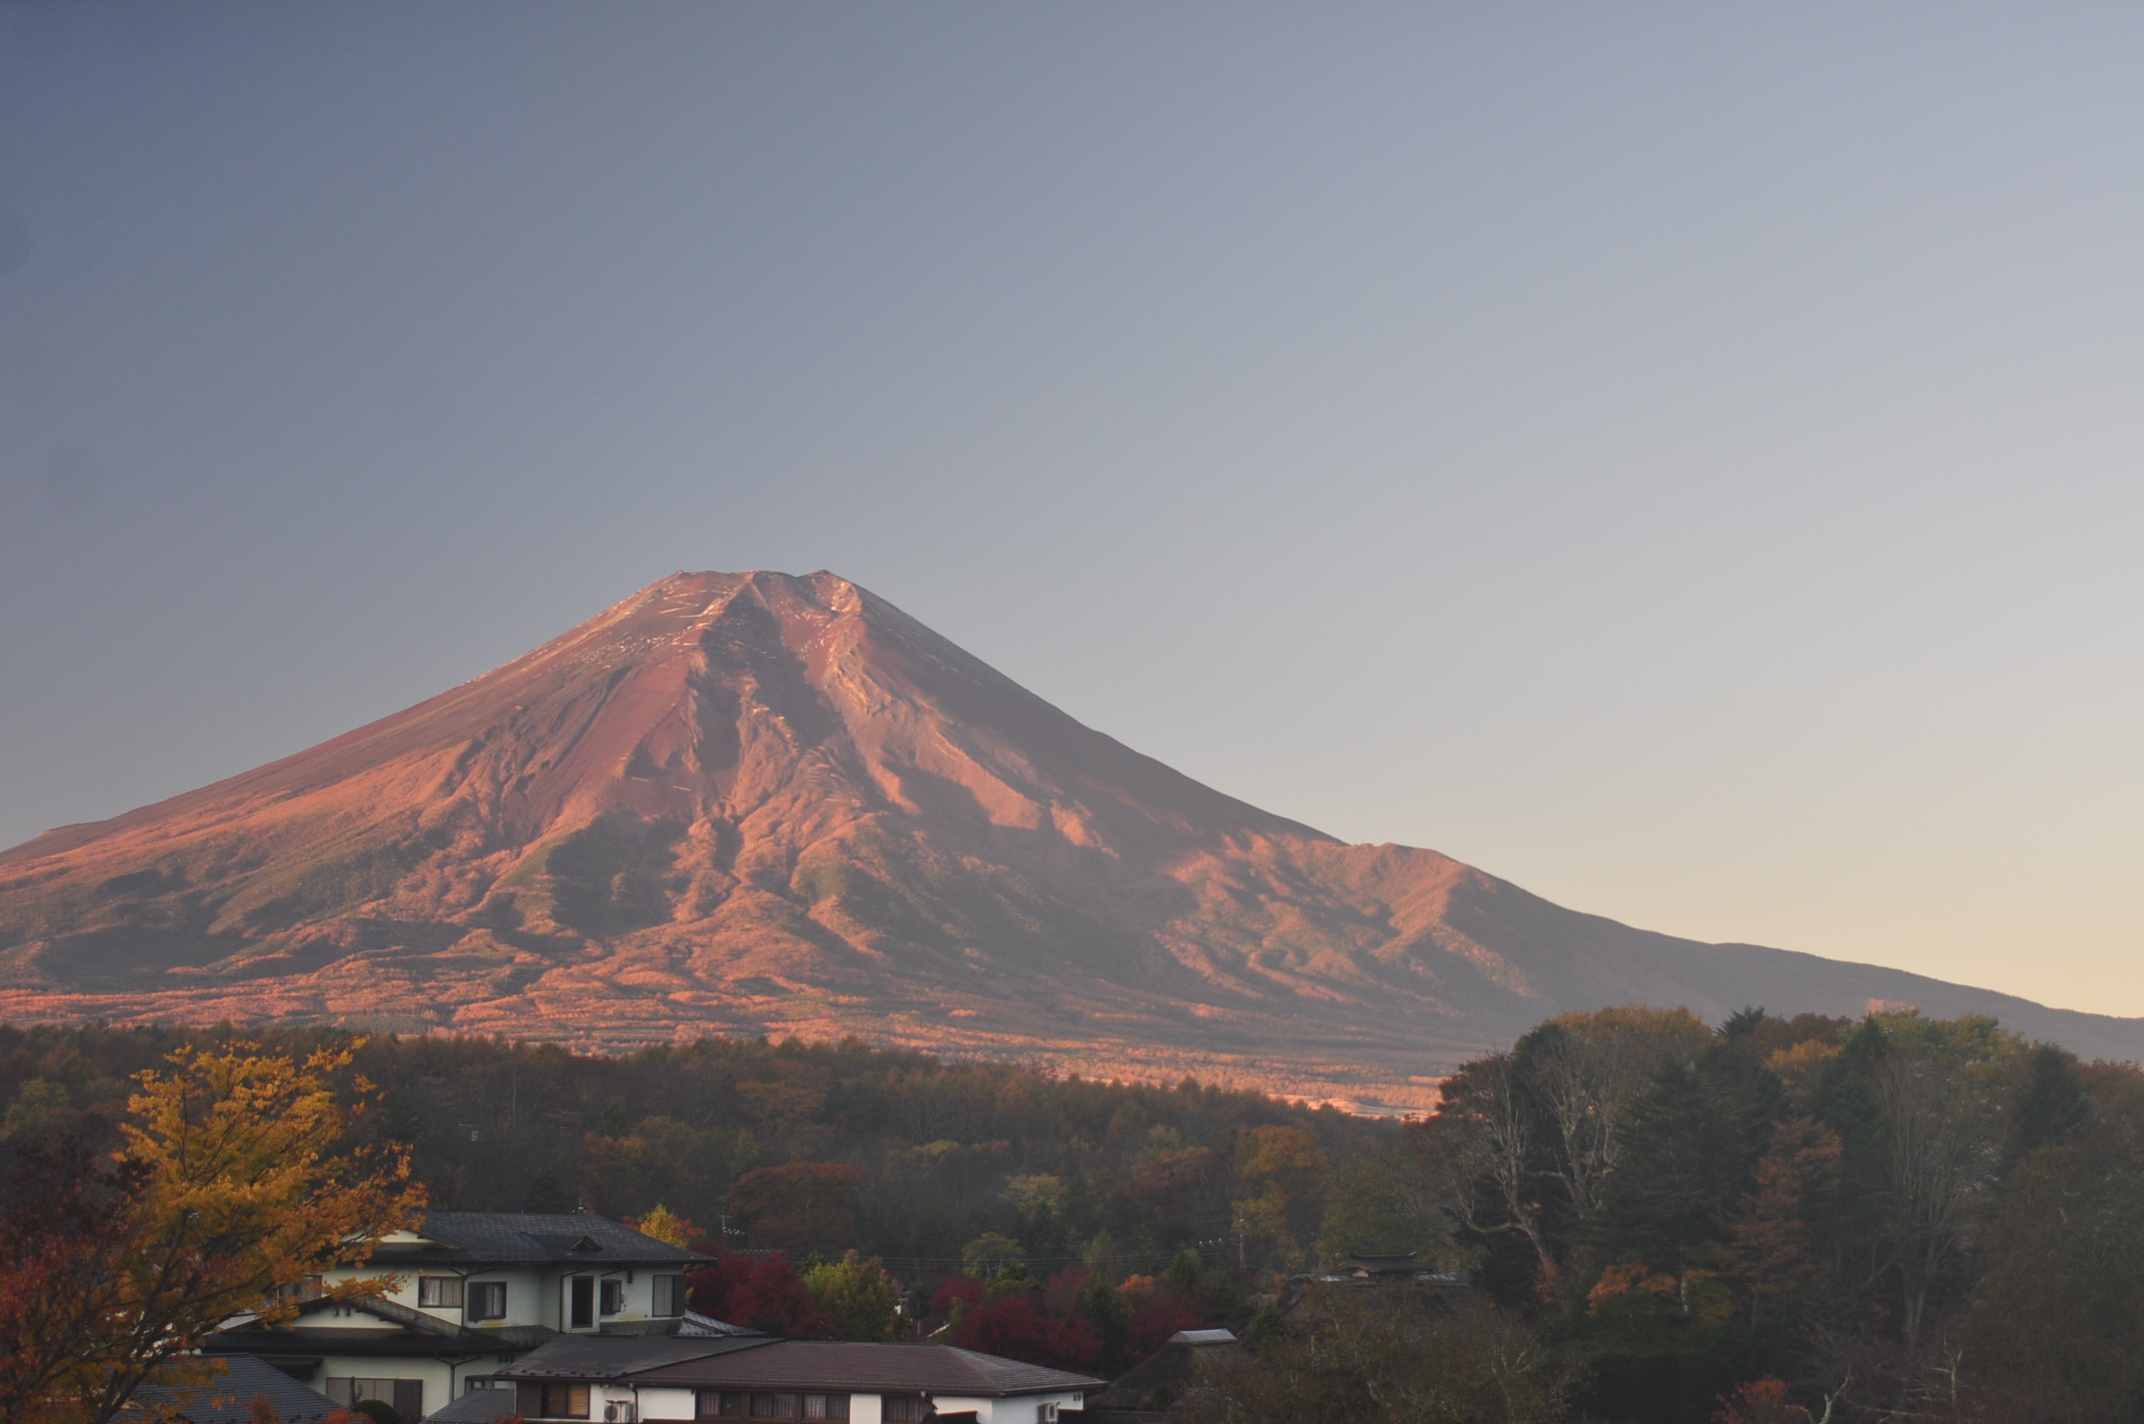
[
  {"x": 439, "y": 1292},
  {"x": 613, "y": 1297},
  {"x": 305, "y": 1289},
  {"x": 487, "y": 1300},
  {"x": 669, "y": 1295}
]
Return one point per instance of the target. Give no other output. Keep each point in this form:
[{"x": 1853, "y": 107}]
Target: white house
[
  {"x": 474, "y": 1292},
  {"x": 745, "y": 1378}
]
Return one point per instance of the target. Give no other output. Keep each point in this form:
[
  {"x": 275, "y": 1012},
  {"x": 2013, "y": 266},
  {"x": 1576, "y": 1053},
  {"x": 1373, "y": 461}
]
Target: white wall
[
  {"x": 639, "y": 1283},
  {"x": 345, "y": 1317},
  {"x": 533, "y": 1296},
  {"x": 1020, "y": 1409},
  {"x": 524, "y": 1298},
  {"x": 435, "y": 1373},
  {"x": 670, "y": 1404},
  {"x": 680, "y": 1404}
]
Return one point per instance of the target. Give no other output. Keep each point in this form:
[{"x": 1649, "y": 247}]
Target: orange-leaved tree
[
  {"x": 241, "y": 1184},
  {"x": 1770, "y": 1248}
]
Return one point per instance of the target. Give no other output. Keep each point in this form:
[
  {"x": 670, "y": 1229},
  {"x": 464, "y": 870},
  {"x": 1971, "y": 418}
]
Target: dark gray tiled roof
[
  {"x": 599, "y": 1357},
  {"x": 229, "y": 1400},
  {"x": 473, "y": 1238},
  {"x": 422, "y": 1334},
  {"x": 302, "y": 1341},
  {"x": 416, "y": 1333},
  {"x": 478, "y": 1406},
  {"x": 846, "y": 1365}
]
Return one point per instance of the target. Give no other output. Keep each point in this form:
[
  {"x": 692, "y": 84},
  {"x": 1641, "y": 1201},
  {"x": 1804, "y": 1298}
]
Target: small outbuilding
[{"x": 1148, "y": 1389}]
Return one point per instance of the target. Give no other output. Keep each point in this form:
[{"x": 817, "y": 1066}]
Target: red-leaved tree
[
  {"x": 956, "y": 1290},
  {"x": 66, "y": 1219},
  {"x": 1761, "y": 1401},
  {"x": 763, "y": 1292},
  {"x": 1160, "y": 1313},
  {"x": 1015, "y": 1327}
]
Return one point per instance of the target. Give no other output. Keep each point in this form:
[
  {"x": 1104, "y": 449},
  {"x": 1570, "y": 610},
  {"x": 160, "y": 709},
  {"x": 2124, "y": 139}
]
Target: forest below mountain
[
  {"x": 742, "y": 1134},
  {"x": 1759, "y": 1221}
]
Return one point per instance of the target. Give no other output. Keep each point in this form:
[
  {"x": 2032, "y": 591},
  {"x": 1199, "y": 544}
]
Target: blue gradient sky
[{"x": 1685, "y": 460}]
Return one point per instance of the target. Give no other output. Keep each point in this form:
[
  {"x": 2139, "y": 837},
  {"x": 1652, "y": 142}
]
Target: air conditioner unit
[
  {"x": 620, "y": 1411},
  {"x": 1046, "y": 1414}
]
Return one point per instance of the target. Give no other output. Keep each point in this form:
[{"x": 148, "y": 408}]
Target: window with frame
[
  {"x": 774, "y": 1406},
  {"x": 439, "y": 1292},
  {"x": 613, "y": 1297},
  {"x": 826, "y": 1406},
  {"x": 404, "y": 1396},
  {"x": 565, "y": 1401},
  {"x": 487, "y": 1300},
  {"x": 669, "y": 1295},
  {"x": 304, "y": 1289},
  {"x": 903, "y": 1408},
  {"x": 725, "y": 1404}
]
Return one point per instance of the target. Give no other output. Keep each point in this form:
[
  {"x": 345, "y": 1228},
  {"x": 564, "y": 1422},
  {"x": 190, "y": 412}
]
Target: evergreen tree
[
  {"x": 546, "y": 1193},
  {"x": 1694, "y": 1141},
  {"x": 2048, "y": 1105}
]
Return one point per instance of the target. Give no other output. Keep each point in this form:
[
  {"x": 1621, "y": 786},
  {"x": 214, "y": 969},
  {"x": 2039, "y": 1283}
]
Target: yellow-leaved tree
[
  {"x": 241, "y": 1182},
  {"x": 860, "y": 1301},
  {"x": 665, "y": 1225},
  {"x": 1278, "y": 1173}
]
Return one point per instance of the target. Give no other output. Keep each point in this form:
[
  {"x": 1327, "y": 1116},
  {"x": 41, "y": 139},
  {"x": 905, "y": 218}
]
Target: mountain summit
[{"x": 764, "y": 803}]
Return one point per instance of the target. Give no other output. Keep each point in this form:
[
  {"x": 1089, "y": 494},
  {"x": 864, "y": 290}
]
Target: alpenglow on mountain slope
[{"x": 762, "y": 803}]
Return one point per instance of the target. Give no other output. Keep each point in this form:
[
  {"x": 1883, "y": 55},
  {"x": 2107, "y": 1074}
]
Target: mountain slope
[{"x": 760, "y": 803}]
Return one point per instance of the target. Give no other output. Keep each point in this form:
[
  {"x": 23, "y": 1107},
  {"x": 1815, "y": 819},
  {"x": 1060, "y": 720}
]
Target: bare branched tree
[
  {"x": 1585, "y": 1070},
  {"x": 1483, "y": 1136},
  {"x": 1943, "y": 1142}
]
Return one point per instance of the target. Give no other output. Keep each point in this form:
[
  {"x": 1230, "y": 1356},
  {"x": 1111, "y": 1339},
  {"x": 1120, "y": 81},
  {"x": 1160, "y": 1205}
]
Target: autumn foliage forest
[{"x": 1760, "y": 1221}]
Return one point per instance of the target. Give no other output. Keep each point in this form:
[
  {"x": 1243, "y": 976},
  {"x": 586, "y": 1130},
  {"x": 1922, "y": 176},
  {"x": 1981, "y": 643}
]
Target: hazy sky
[{"x": 1689, "y": 461}]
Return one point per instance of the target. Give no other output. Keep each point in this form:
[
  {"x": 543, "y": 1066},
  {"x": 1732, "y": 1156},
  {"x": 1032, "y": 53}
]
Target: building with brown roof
[{"x": 742, "y": 1378}]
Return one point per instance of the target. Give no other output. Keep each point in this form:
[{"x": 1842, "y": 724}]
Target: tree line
[
  {"x": 1760, "y": 1221},
  {"x": 787, "y": 1146},
  {"x": 1811, "y": 1218}
]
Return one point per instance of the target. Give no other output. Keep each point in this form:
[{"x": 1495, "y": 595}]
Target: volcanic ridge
[{"x": 758, "y": 803}]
